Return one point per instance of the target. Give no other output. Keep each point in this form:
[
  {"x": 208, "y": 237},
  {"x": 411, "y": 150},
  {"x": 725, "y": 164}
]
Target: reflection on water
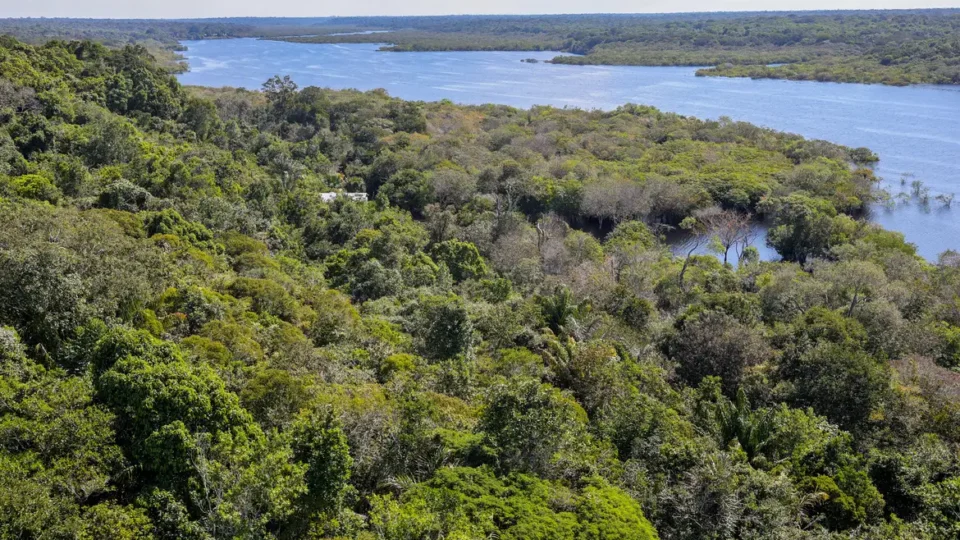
[
  {"x": 364, "y": 33},
  {"x": 680, "y": 243},
  {"x": 913, "y": 129}
]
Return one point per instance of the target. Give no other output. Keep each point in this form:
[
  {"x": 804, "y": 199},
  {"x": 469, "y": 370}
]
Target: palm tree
[
  {"x": 736, "y": 421},
  {"x": 558, "y": 309},
  {"x": 565, "y": 317}
]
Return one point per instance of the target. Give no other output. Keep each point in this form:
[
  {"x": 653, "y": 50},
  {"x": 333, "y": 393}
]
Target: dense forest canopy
[{"x": 194, "y": 343}]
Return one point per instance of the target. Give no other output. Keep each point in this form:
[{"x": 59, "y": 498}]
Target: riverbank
[
  {"x": 884, "y": 47},
  {"x": 871, "y": 116}
]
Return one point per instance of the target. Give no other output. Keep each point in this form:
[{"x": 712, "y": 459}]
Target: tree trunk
[{"x": 686, "y": 263}]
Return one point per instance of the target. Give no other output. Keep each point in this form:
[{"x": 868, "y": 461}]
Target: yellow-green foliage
[{"x": 193, "y": 344}]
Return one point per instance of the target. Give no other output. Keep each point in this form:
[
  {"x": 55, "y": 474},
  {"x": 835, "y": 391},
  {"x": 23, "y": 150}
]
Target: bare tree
[
  {"x": 633, "y": 202},
  {"x": 617, "y": 200},
  {"x": 507, "y": 185},
  {"x": 599, "y": 201},
  {"x": 699, "y": 236},
  {"x": 452, "y": 187},
  {"x": 731, "y": 230},
  {"x": 554, "y": 255}
]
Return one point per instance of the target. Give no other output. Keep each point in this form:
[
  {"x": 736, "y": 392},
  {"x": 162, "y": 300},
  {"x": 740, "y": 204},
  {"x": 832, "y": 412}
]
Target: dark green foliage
[
  {"x": 443, "y": 327},
  {"x": 318, "y": 442},
  {"x": 407, "y": 189},
  {"x": 159, "y": 395},
  {"x": 804, "y": 227},
  {"x": 716, "y": 344},
  {"x": 58, "y": 453},
  {"x": 534, "y": 428},
  {"x": 194, "y": 343},
  {"x": 462, "y": 259},
  {"x": 138, "y": 86},
  {"x": 372, "y": 280},
  {"x": 192, "y": 437},
  {"x": 51, "y": 284},
  {"x": 408, "y": 117},
  {"x": 637, "y": 312},
  {"x": 842, "y": 383}
]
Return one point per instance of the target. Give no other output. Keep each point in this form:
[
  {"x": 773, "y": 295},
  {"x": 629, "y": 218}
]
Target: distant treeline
[
  {"x": 161, "y": 38},
  {"x": 888, "y": 47},
  {"x": 119, "y": 31}
]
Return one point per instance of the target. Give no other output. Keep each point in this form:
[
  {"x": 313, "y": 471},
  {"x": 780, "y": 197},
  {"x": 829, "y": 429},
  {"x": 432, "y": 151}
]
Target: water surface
[
  {"x": 362, "y": 33},
  {"x": 915, "y": 130}
]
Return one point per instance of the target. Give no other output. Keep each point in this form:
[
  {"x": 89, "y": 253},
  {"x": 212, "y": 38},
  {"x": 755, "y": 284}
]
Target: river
[{"x": 915, "y": 129}]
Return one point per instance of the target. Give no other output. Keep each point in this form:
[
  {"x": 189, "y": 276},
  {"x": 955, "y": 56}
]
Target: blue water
[
  {"x": 363, "y": 33},
  {"x": 915, "y": 130}
]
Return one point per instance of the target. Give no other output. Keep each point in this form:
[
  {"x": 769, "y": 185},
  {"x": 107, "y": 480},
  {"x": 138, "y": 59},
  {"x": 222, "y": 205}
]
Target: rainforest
[{"x": 308, "y": 313}]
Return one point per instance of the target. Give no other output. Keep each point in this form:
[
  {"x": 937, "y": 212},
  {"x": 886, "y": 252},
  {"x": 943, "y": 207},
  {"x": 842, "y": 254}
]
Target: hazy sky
[{"x": 302, "y": 8}]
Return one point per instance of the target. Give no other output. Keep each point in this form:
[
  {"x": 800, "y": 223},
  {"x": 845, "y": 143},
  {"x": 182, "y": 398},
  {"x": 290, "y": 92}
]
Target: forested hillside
[{"x": 193, "y": 344}]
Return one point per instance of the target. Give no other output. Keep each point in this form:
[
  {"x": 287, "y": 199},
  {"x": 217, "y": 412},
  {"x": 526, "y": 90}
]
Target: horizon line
[{"x": 558, "y": 14}]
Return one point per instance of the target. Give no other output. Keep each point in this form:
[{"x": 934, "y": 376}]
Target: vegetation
[
  {"x": 194, "y": 344},
  {"x": 888, "y": 47},
  {"x": 161, "y": 38}
]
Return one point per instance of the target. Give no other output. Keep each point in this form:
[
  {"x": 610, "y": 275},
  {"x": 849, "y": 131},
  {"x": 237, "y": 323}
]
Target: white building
[{"x": 331, "y": 195}]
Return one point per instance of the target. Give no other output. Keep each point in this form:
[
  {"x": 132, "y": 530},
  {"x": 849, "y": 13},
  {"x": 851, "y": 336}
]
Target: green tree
[
  {"x": 190, "y": 436},
  {"x": 274, "y": 397},
  {"x": 442, "y": 327},
  {"x": 319, "y": 443},
  {"x": 716, "y": 344},
  {"x": 471, "y": 503},
  {"x": 843, "y": 383},
  {"x": 805, "y": 227},
  {"x": 462, "y": 258},
  {"x": 534, "y": 428},
  {"x": 34, "y": 186},
  {"x": 408, "y": 189},
  {"x": 603, "y": 511}
]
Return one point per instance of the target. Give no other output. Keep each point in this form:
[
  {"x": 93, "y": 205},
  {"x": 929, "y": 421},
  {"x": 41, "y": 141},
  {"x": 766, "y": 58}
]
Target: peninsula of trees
[
  {"x": 888, "y": 47},
  {"x": 195, "y": 342}
]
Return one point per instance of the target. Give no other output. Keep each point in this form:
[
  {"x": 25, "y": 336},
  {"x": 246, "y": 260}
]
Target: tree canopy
[{"x": 197, "y": 341}]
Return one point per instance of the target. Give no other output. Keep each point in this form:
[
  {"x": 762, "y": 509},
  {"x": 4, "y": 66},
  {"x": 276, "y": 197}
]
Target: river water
[{"x": 915, "y": 130}]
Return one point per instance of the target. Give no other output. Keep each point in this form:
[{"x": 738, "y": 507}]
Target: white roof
[{"x": 331, "y": 195}]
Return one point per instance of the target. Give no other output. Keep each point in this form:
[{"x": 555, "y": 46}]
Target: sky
[{"x": 136, "y": 9}]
